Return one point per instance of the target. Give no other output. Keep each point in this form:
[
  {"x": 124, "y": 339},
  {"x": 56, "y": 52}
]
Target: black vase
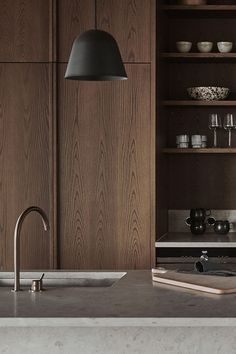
[
  {"x": 199, "y": 214},
  {"x": 198, "y": 227},
  {"x": 221, "y": 227}
]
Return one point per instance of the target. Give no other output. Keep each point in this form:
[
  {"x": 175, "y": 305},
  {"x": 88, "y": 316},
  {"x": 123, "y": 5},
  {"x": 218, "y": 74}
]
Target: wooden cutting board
[{"x": 207, "y": 283}]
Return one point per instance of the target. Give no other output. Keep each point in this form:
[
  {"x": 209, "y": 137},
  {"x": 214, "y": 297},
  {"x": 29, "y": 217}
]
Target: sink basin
[{"x": 63, "y": 279}]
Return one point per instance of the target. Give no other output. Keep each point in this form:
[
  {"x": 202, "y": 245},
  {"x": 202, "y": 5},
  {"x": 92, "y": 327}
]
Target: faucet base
[{"x": 15, "y": 291}]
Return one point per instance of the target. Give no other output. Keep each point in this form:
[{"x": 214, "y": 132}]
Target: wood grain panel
[
  {"x": 24, "y": 30},
  {"x": 129, "y": 21},
  {"x": 24, "y": 156},
  {"x": 104, "y": 169},
  {"x": 134, "y": 180},
  {"x": 202, "y": 181},
  {"x": 74, "y": 17}
]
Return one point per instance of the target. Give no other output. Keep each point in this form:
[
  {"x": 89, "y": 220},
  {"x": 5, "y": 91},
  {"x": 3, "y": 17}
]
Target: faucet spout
[{"x": 17, "y": 233}]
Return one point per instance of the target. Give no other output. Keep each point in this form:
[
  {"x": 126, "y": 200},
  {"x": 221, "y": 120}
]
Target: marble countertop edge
[{"x": 116, "y": 322}]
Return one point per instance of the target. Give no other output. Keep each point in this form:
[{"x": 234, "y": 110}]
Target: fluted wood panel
[
  {"x": 104, "y": 172},
  {"x": 24, "y": 156},
  {"x": 74, "y": 17},
  {"x": 24, "y": 30},
  {"x": 129, "y": 21}
]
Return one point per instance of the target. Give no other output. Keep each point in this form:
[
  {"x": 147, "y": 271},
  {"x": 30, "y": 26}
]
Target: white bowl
[
  {"x": 208, "y": 93},
  {"x": 225, "y": 47},
  {"x": 183, "y": 46},
  {"x": 205, "y": 47}
]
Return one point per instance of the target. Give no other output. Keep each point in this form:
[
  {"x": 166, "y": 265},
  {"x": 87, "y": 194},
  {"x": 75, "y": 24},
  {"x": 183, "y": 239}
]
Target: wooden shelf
[
  {"x": 199, "y": 7},
  {"x": 187, "y": 239},
  {"x": 199, "y": 56},
  {"x": 198, "y": 103},
  {"x": 200, "y": 151}
]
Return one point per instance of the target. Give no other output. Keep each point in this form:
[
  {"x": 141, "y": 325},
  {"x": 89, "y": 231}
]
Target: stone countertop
[{"x": 132, "y": 301}]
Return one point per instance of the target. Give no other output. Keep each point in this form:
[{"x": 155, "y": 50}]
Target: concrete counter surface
[{"x": 132, "y": 301}]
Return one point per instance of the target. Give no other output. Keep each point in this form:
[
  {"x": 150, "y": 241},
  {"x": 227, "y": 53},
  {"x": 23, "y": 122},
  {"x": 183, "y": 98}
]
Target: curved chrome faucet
[{"x": 17, "y": 240}]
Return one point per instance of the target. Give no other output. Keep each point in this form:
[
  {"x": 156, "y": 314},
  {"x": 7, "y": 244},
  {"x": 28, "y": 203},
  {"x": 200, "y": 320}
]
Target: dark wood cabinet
[
  {"x": 104, "y": 172},
  {"x": 24, "y": 30},
  {"x": 73, "y": 18},
  {"x": 24, "y": 161},
  {"x": 106, "y": 137},
  {"x": 83, "y": 151},
  {"x": 129, "y": 21}
]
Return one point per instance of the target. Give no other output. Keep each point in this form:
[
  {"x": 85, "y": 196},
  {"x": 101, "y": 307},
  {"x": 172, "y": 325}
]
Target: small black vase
[
  {"x": 221, "y": 227},
  {"x": 199, "y": 214},
  {"x": 198, "y": 227}
]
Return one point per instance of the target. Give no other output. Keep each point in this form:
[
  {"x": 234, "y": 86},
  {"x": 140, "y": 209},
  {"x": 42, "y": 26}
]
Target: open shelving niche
[
  {"x": 200, "y": 57},
  {"x": 186, "y": 239}
]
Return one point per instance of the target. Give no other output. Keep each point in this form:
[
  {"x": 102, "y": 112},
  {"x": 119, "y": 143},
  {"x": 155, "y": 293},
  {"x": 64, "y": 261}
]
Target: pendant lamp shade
[{"x": 95, "y": 56}]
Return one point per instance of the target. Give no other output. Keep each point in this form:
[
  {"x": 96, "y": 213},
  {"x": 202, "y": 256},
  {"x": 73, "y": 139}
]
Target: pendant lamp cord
[{"x": 95, "y": 12}]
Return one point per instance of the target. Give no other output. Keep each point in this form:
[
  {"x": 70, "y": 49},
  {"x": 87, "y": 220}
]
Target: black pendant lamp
[{"x": 95, "y": 56}]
